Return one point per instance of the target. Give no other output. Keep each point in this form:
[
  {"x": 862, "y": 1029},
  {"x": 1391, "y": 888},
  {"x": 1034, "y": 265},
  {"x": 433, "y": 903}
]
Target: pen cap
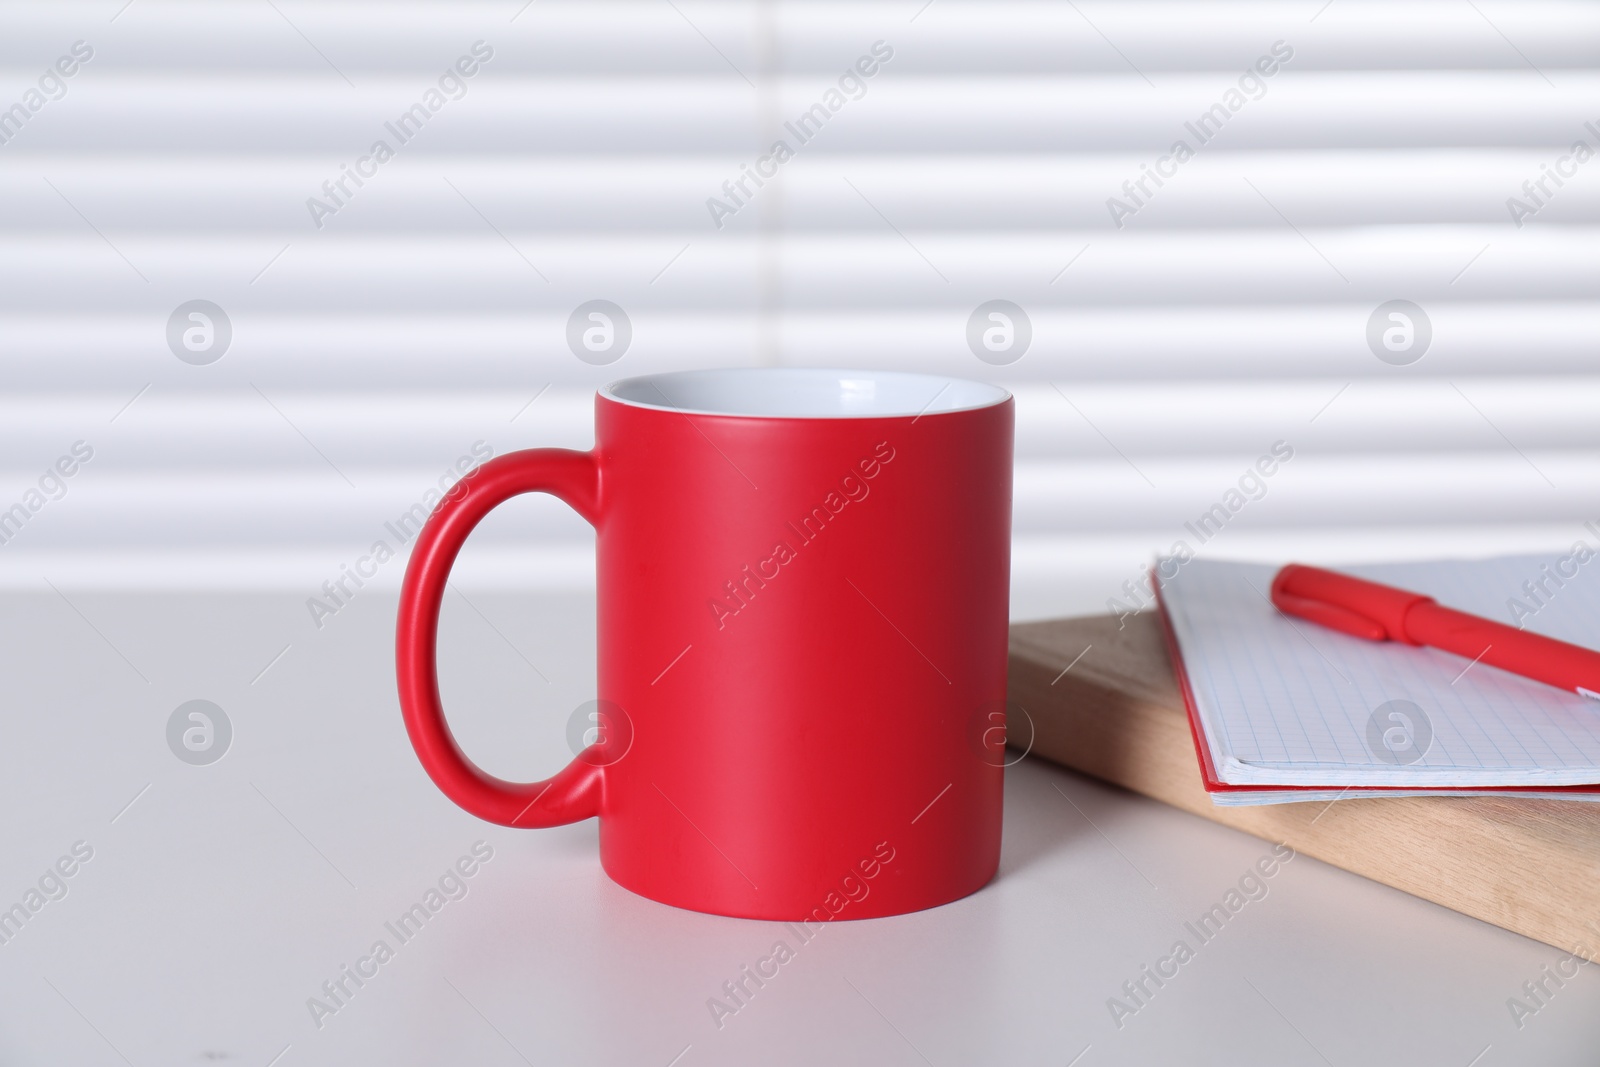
[{"x": 1352, "y": 605}]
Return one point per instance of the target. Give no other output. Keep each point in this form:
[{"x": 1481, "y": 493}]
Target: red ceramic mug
[{"x": 803, "y": 582}]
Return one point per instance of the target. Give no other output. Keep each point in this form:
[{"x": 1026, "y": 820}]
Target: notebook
[{"x": 1283, "y": 709}]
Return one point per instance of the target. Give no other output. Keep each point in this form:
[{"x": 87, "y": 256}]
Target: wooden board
[{"x": 1532, "y": 866}]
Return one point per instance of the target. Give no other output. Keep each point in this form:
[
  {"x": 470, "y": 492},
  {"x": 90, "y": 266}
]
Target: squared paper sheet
[
  {"x": 1259, "y": 797},
  {"x": 1286, "y": 702}
]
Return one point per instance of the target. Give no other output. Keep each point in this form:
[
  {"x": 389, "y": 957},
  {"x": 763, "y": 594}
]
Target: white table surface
[{"x": 221, "y": 898}]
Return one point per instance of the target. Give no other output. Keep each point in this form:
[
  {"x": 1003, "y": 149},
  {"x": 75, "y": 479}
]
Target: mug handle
[{"x": 574, "y": 793}]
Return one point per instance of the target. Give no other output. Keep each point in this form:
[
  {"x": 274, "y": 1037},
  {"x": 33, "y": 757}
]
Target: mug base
[{"x": 876, "y": 904}]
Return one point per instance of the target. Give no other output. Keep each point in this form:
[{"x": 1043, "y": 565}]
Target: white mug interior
[{"x": 804, "y": 393}]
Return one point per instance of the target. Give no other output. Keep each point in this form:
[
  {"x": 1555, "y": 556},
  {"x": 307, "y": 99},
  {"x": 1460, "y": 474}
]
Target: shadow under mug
[{"x": 803, "y": 581}]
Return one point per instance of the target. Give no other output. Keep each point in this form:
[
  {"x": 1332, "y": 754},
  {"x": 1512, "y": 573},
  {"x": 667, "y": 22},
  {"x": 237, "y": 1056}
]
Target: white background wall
[{"x": 1228, "y": 313}]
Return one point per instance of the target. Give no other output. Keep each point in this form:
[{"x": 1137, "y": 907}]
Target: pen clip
[{"x": 1324, "y": 614}]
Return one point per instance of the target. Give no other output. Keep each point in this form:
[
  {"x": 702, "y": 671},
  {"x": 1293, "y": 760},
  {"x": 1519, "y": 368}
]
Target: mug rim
[{"x": 969, "y": 395}]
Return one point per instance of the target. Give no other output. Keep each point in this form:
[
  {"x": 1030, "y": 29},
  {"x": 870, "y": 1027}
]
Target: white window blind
[{"x": 1177, "y": 330}]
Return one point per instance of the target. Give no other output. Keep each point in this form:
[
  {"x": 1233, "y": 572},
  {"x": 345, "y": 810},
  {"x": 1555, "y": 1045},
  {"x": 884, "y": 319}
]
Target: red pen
[{"x": 1383, "y": 613}]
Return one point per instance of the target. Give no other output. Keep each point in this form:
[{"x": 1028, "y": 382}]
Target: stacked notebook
[{"x": 1284, "y": 710}]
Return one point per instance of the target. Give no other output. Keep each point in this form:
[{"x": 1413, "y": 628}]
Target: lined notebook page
[{"x": 1286, "y": 702}]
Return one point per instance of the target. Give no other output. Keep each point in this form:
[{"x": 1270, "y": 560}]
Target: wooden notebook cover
[{"x": 1532, "y": 866}]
